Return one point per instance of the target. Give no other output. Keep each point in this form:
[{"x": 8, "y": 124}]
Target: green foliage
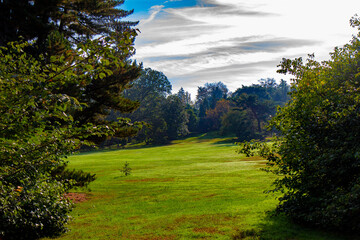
[
  {"x": 175, "y": 117},
  {"x": 252, "y": 107},
  {"x": 257, "y": 106},
  {"x": 37, "y": 130},
  {"x": 164, "y": 114},
  {"x": 214, "y": 116},
  {"x": 193, "y": 120},
  {"x": 76, "y": 20},
  {"x": 72, "y": 178},
  {"x": 60, "y": 30},
  {"x": 126, "y": 169},
  {"x": 185, "y": 97},
  {"x": 318, "y": 154},
  {"x": 55, "y": 94},
  {"x": 238, "y": 123},
  {"x": 206, "y": 99},
  {"x": 35, "y": 209}
]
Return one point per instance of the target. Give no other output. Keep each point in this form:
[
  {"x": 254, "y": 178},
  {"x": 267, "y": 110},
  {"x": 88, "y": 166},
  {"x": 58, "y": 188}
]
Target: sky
[{"x": 236, "y": 42}]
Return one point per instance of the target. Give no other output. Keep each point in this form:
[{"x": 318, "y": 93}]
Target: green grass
[{"x": 196, "y": 188}]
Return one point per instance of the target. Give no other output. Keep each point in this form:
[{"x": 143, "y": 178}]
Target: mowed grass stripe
[{"x": 197, "y": 188}]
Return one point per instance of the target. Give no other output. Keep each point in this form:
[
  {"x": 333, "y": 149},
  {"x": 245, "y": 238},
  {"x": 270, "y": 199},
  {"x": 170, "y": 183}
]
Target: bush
[
  {"x": 318, "y": 156},
  {"x": 33, "y": 210}
]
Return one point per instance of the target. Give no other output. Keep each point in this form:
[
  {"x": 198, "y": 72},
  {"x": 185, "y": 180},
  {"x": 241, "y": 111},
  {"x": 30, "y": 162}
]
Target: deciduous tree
[{"x": 318, "y": 155}]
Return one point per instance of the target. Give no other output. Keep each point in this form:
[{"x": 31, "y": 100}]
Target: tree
[
  {"x": 55, "y": 95},
  {"x": 209, "y": 95},
  {"x": 214, "y": 116},
  {"x": 281, "y": 94},
  {"x": 37, "y": 130},
  {"x": 150, "y": 91},
  {"x": 185, "y": 97},
  {"x": 193, "y": 121},
  {"x": 57, "y": 27},
  {"x": 165, "y": 114},
  {"x": 318, "y": 156},
  {"x": 206, "y": 99},
  {"x": 259, "y": 110},
  {"x": 151, "y": 83},
  {"x": 76, "y": 20},
  {"x": 255, "y": 89},
  {"x": 238, "y": 123},
  {"x": 175, "y": 116}
]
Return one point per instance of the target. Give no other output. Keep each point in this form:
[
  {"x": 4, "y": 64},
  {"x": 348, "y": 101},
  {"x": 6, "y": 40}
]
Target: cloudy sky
[{"x": 237, "y": 42}]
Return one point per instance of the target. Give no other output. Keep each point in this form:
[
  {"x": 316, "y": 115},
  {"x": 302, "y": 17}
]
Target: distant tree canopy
[
  {"x": 209, "y": 95},
  {"x": 164, "y": 114},
  {"x": 257, "y": 102},
  {"x": 318, "y": 155}
]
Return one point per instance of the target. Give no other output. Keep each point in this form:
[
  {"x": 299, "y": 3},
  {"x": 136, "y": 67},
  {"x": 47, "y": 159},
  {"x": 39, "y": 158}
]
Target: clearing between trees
[{"x": 197, "y": 188}]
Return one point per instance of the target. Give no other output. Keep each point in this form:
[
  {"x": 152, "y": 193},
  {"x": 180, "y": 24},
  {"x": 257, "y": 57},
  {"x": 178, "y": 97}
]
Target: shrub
[
  {"x": 318, "y": 156},
  {"x": 35, "y": 209}
]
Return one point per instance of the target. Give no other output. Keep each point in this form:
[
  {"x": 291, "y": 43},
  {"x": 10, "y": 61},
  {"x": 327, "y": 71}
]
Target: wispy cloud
[
  {"x": 237, "y": 41},
  {"x": 154, "y": 10},
  {"x": 173, "y": 1}
]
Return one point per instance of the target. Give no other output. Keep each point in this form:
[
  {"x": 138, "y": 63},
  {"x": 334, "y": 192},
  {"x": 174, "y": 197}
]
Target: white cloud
[
  {"x": 154, "y": 10},
  {"x": 237, "y": 41},
  {"x": 172, "y": 1}
]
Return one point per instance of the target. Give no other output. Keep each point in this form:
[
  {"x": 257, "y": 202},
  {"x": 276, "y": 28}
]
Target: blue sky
[
  {"x": 237, "y": 42},
  {"x": 142, "y": 7}
]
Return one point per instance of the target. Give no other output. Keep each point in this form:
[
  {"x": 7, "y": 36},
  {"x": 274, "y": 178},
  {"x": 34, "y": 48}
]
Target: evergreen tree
[
  {"x": 76, "y": 20},
  {"x": 184, "y": 96},
  {"x": 57, "y": 27},
  {"x": 176, "y": 118}
]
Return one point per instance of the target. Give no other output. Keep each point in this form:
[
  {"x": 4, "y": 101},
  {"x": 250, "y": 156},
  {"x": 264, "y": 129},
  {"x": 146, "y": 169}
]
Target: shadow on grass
[
  {"x": 226, "y": 139},
  {"x": 193, "y": 137},
  {"x": 279, "y": 227}
]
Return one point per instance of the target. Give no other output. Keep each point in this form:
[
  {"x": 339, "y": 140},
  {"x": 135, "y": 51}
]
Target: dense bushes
[
  {"x": 37, "y": 131},
  {"x": 34, "y": 209},
  {"x": 318, "y": 156}
]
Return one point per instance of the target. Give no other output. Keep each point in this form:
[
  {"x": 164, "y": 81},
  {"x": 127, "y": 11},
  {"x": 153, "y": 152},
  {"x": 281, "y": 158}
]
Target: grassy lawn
[{"x": 197, "y": 188}]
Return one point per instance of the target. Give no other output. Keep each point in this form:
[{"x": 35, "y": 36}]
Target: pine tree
[{"x": 57, "y": 27}]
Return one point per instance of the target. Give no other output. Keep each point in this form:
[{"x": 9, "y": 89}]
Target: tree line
[{"x": 242, "y": 114}]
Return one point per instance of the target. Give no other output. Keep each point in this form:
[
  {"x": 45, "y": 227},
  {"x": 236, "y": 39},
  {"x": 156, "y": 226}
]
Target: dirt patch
[
  {"x": 254, "y": 158},
  {"x": 149, "y": 237},
  {"x": 206, "y": 196},
  {"x": 134, "y": 217},
  {"x": 77, "y": 197},
  {"x": 152, "y": 180},
  {"x": 211, "y": 195},
  {"x": 210, "y": 230},
  {"x": 261, "y": 164}
]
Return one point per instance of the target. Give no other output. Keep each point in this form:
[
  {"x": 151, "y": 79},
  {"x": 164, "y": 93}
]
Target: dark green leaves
[{"x": 318, "y": 155}]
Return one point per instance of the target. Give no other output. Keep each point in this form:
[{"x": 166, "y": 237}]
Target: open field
[{"x": 197, "y": 188}]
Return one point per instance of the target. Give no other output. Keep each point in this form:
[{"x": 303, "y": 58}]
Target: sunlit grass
[{"x": 197, "y": 188}]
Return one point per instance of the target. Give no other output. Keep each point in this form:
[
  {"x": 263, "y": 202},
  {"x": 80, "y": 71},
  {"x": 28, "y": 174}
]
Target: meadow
[{"x": 196, "y": 188}]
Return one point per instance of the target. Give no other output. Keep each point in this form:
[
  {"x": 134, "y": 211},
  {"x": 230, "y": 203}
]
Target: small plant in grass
[
  {"x": 126, "y": 169},
  {"x": 246, "y": 234}
]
